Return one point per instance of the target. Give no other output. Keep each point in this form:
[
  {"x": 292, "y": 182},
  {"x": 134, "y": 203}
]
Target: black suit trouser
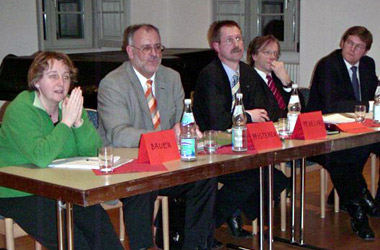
[
  {"x": 38, "y": 217},
  {"x": 241, "y": 190},
  {"x": 346, "y": 171},
  {"x": 199, "y": 227}
]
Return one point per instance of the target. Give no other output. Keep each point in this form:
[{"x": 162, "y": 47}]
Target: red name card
[
  {"x": 353, "y": 127},
  {"x": 158, "y": 147},
  {"x": 263, "y": 135},
  {"x": 309, "y": 126}
]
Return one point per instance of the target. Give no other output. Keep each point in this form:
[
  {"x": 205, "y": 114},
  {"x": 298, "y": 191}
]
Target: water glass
[
  {"x": 209, "y": 140},
  {"x": 283, "y": 128},
  {"x": 105, "y": 157},
  {"x": 360, "y": 111}
]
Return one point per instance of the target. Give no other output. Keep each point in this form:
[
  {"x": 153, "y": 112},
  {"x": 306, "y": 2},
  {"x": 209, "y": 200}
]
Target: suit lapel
[
  {"x": 225, "y": 84},
  {"x": 140, "y": 94},
  {"x": 346, "y": 77}
]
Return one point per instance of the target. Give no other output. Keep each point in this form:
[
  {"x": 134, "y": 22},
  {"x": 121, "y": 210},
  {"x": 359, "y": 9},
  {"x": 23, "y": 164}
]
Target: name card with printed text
[
  {"x": 353, "y": 127},
  {"x": 263, "y": 136},
  {"x": 309, "y": 126},
  {"x": 158, "y": 147}
]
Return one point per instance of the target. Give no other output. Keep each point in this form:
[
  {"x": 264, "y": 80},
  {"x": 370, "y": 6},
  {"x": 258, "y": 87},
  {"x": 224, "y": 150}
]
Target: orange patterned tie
[{"x": 152, "y": 103}]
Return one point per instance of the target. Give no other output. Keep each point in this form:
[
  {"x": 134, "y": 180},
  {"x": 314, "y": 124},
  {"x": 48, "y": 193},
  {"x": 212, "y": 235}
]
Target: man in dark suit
[
  {"x": 270, "y": 74},
  {"x": 213, "y": 104},
  {"x": 125, "y": 113},
  {"x": 343, "y": 79}
]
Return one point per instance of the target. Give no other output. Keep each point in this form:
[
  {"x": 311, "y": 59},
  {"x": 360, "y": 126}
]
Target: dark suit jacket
[
  {"x": 268, "y": 101},
  {"x": 331, "y": 89},
  {"x": 213, "y": 99}
]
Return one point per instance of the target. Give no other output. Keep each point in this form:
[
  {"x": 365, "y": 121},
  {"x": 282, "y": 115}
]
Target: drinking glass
[
  {"x": 209, "y": 140},
  {"x": 360, "y": 111},
  {"x": 283, "y": 128},
  {"x": 105, "y": 156}
]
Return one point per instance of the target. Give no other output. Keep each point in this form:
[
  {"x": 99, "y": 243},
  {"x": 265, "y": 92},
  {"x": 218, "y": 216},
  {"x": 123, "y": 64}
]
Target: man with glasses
[
  {"x": 262, "y": 54},
  {"x": 213, "y": 107},
  {"x": 139, "y": 97},
  {"x": 343, "y": 79}
]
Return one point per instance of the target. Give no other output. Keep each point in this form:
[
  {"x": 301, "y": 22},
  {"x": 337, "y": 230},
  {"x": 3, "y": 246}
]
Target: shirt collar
[
  {"x": 143, "y": 79},
  {"x": 348, "y": 65},
  {"x": 230, "y": 72},
  {"x": 37, "y": 102},
  {"x": 263, "y": 75}
]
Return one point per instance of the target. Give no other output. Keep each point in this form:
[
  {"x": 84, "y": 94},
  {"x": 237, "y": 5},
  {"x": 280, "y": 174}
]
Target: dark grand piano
[{"x": 93, "y": 67}]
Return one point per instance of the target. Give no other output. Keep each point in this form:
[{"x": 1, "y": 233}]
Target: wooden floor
[{"x": 333, "y": 232}]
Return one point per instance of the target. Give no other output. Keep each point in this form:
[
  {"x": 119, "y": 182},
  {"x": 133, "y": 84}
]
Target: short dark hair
[
  {"x": 362, "y": 32},
  {"x": 42, "y": 62},
  {"x": 213, "y": 34},
  {"x": 130, "y": 31},
  {"x": 259, "y": 43}
]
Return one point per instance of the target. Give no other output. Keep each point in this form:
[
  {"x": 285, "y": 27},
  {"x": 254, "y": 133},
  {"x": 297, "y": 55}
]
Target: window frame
[
  {"x": 49, "y": 18},
  {"x": 252, "y": 16}
]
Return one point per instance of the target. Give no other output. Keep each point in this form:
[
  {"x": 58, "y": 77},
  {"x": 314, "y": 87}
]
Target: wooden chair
[
  {"x": 163, "y": 200},
  {"x": 11, "y": 231}
]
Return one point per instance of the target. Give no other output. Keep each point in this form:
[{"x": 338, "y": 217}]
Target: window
[
  {"x": 65, "y": 24},
  {"x": 262, "y": 17},
  {"x": 112, "y": 20}
]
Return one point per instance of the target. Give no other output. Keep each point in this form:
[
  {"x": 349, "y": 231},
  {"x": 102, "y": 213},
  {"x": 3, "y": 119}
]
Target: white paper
[
  {"x": 338, "y": 118},
  {"x": 84, "y": 162}
]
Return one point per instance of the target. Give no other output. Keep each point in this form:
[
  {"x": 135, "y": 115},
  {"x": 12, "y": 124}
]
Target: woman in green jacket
[{"x": 39, "y": 126}]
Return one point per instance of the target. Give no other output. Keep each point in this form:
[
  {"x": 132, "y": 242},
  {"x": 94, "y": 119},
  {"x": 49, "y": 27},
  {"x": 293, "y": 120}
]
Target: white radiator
[{"x": 293, "y": 71}]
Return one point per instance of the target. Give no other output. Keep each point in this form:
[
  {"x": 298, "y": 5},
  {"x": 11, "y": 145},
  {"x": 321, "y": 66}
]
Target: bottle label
[
  {"x": 239, "y": 139},
  {"x": 294, "y": 99},
  {"x": 188, "y": 147},
  {"x": 292, "y": 119},
  {"x": 238, "y": 110},
  {"x": 187, "y": 119},
  {"x": 376, "y": 113}
]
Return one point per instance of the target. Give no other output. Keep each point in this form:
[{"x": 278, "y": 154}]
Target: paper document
[
  {"x": 338, "y": 118},
  {"x": 84, "y": 162}
]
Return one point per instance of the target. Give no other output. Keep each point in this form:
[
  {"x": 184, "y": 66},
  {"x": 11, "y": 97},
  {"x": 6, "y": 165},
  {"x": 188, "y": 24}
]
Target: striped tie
[
  {"x": 152, "y": 103},
  {"x": 235, "y": 88},
  {"x": 275, "y": 92}
]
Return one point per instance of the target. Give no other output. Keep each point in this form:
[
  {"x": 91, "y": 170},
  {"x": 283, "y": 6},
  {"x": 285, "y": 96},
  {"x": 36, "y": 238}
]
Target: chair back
[{"x": 93, "y": 116}]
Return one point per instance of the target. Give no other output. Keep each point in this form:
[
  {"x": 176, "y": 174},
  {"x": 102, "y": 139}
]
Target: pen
[
  {"x": 91, "y": 159},
  {"x": 232, "y": 246}
]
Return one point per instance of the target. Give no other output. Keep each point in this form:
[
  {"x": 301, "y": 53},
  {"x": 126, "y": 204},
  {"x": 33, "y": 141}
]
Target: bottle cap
[
  {"x": 295, "y": 86},
  {"x": 239, "y": 95},
  {"x": 187, "y": 101}
]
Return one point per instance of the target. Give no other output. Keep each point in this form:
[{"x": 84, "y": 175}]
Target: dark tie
[
  {"x": 355, "y": 83},
  {"x": 276, "y": 93}
]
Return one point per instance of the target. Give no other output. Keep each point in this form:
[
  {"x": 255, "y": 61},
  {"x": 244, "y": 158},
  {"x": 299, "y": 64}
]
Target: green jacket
[{"x": 28, "y": 136}]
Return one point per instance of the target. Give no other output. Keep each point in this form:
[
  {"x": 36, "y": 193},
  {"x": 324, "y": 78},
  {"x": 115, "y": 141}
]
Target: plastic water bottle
[
  {"x": 376, "y": 104},
  {"x": 188, "y": 137},
  {"x": 239, "y": 126},
  {"x": 294, "y": 108}
]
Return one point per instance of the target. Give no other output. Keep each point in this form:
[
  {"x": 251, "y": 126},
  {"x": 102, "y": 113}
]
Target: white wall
[
  {"x": 182, "y": 23},
  {"x": 324, "y": 21},
  {"x": 18, "y": 27}
]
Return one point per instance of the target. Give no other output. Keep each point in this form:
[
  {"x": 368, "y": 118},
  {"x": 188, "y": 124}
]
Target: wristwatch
[{"x": 289, "y": 84}]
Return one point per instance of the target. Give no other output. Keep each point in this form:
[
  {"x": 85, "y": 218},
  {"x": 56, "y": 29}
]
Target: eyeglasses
[
  {"x": 356, "y": 46},
  {"x": 231, "y": 40},
  {"x": 149, "y": 48},
  {"x": 270, "y": 53}
]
